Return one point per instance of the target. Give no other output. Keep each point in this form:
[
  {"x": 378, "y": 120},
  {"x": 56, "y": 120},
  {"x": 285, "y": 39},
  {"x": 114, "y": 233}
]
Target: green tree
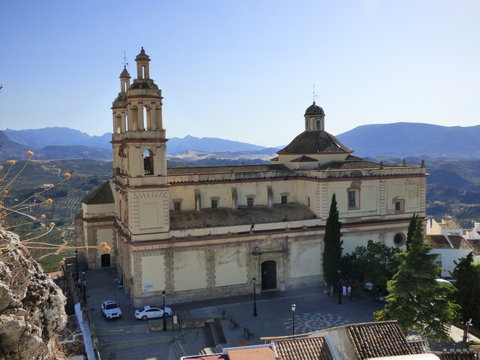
[
  {"x": 332, "y": 252},
  {"x": 467, "y": 275},
  {"x": 377, "y": 262},
  {"x": 416, "y": 299},
  {"x": 411, "y": 229}
]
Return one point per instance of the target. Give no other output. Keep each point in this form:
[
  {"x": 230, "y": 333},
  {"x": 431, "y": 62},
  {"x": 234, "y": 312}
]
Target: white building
[{"x": 202, "y": 232}]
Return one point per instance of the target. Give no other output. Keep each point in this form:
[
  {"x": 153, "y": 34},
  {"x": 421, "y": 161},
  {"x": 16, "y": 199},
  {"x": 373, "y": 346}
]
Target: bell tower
[{"x": 139, "y": 155}]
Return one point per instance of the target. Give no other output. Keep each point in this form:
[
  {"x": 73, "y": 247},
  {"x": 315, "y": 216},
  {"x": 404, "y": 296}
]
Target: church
[{"x": 207, "y": 232}]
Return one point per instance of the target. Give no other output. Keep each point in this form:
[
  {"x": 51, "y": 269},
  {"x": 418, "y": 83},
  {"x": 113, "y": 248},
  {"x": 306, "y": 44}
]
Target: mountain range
[
  {"x": 389, "y": 140},
  {"x": 414, "y": 139}
]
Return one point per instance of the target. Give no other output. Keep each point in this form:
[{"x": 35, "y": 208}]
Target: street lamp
[
  {"x": 293, "y": 318},
  {"x": 76, "y": 265},
  {"x": 164, "y": 317},
  {"x": 84, "y": 287},
  {"x": 254, "y": 296}
]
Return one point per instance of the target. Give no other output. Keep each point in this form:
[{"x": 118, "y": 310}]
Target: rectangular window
[
  {"x": 352, "y": 199},
  {"x": 214, "y": 203},
  {"x": 308, "y": 201},
  {"x": 250, "y": 201},
  {"x": 177, "y": 205},
  {"x": 284, "y": 199},
  {"x": 398, "y": 206}
]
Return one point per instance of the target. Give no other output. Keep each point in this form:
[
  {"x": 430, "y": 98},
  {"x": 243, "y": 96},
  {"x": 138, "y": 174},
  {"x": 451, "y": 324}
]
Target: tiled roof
[
  {"x": 192, "y": 170},
  {"x": 438, "y": 242},
  {"x": 246, "y": 215},
  {"x": 458, "y": 356},
  {"x": 379, "y": 339},
  {"x": 450, "y": 223},
  {"x": 418, "y": 346},
  {"x": 304, "y": 158},
  {"x": 459, "y": 242},
  {"x": 441, "y": 242},
  {"x": 260, "y": 353},
  {"x": 351, "y": 162},
  {"x": 312, "y": 348},
  {"x": 475, "y": 244},
  {"x": 315, "y": 142},
  {"x": 207, "y": 357},
  {"x": 101, "y": 195}
]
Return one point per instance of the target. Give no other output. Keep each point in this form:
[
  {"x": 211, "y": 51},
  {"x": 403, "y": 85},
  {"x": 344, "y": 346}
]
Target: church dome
[
  {"x": 314, "y": 142},
  {"x": 314, "y": 109}
]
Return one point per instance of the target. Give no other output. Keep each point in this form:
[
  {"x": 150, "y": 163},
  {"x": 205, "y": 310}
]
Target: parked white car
[
  {"x": 110, "y": 309},
  {"x": 151, "y": 312}
]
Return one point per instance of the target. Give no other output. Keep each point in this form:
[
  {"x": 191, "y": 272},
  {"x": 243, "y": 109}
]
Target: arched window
[
  {"x": 317, "y": 125},
  {"x": 147, "y": 162}
]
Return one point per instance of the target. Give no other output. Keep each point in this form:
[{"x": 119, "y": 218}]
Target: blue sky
[{"x": 243, "y": 70}]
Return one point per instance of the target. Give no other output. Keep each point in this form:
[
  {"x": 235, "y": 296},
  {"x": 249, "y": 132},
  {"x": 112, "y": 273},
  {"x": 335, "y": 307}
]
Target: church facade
[{"x": 206, "y": 232}]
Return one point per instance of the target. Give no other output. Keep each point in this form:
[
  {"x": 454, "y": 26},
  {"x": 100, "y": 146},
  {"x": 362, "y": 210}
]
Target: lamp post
[
  {"x": 465, "y": 333},
  {"x": 293, "y": 318},
  {"x": 164, "y": 317},
  {"x": 254, "y": 296},
  {"x": 76, "y": 265},
  {"x": 84, "y": 287}
]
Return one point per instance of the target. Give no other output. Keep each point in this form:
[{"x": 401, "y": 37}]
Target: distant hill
[
  {"x": 180, "y": 145},
  {"x": 57, "y": 136},
  {"x": 399, "y": 140},
  {"x": 13, "y": 150},
  {"x": 10, "y": 149},
  {"x": 414, "y": 139},
  {"x": 65, "y": 143}
]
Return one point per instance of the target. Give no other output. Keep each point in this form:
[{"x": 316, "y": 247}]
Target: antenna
[
  {"x": 313, "y": 93},
  {"x": 125, "y": 63}
]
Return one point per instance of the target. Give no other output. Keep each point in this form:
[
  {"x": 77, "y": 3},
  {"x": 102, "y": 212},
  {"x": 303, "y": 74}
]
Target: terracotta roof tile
[
  {"x": 312, "y": 348},
  {"x": 101, "y": 195},
  {"x": 379, "y": 339},
  {"x": 458, "y": 356},
  {"x": 304, "y": 158},
  {"x": 315, "y": 142},
  {"x": 192, "y": 170},
  {"x": 438, "y": 242},
  {"x": 245, "y": 215},
  {"x": 260, "y": 353},
  {"x": 475, "y": 244},
  {"x": 459, "y": 242}
]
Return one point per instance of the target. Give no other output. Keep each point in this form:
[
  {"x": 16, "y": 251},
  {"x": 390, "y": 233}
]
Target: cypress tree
[
  {"x": 467, "y": 275},
  {"x": 332, "y": 252},
  {"x": 416, "y": 299},
  {"x": 412, "y": 226}
]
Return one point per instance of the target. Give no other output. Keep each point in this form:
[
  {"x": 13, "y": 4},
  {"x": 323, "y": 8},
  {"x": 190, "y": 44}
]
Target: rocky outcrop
[{"x": 32, "y": 306}]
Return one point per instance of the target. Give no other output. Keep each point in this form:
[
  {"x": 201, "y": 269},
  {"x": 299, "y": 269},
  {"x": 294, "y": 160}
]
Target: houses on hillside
[{"x": 451, "y": 242}]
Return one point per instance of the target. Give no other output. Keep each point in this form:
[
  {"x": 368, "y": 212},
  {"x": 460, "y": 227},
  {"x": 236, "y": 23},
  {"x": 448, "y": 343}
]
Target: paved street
[
  {"x": 132, "y": 339},
  {"x": 128, "y": 338}
]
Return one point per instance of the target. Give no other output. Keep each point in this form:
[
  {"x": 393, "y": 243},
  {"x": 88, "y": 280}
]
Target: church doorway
[
  {"x": 269, "y": 275},
  {"x": 105, "y": 259}
]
